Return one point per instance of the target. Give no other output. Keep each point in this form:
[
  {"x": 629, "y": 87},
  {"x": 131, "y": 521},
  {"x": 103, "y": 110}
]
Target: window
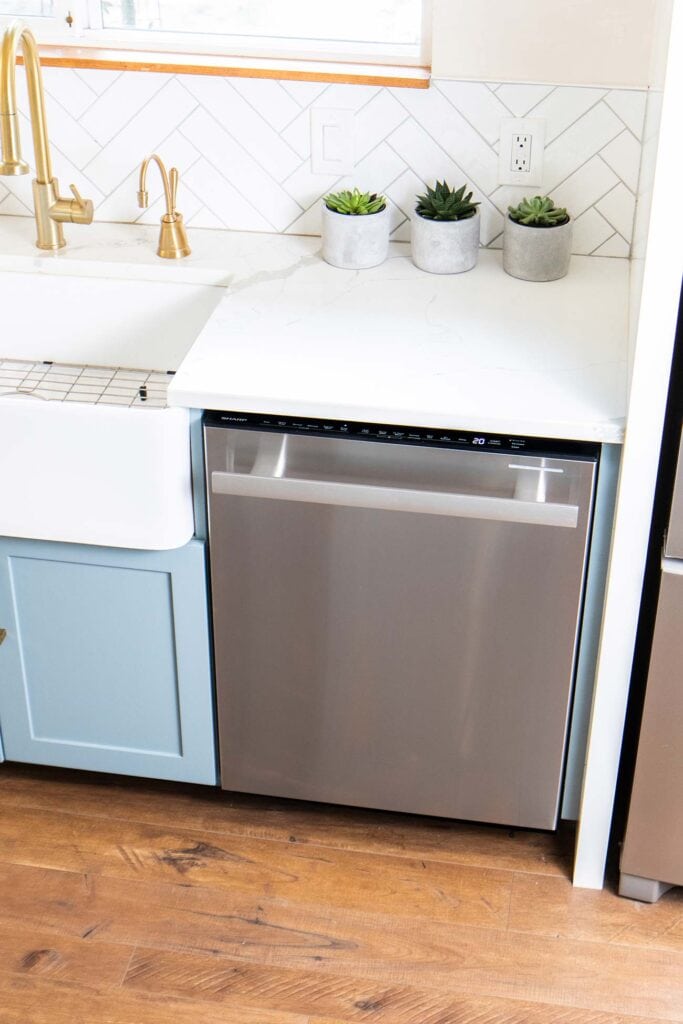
[
  {"x": 29, "y": 8},
  {"x": 372, "y": 31}
]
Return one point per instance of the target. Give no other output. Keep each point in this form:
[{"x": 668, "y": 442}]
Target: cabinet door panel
[{"x": 106, "y": 664}]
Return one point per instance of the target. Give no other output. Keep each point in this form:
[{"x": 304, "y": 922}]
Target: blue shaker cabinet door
[{"x": 106, "y": 662}]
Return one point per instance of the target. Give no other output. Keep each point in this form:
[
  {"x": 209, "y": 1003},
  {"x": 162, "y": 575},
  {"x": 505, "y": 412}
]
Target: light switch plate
[
  {"x": 520, "y": 156},
  {"x": 332, "y": 148}
]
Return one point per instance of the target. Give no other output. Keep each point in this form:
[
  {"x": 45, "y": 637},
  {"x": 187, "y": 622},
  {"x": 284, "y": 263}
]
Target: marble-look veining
[{"x": 479, "y": 351}]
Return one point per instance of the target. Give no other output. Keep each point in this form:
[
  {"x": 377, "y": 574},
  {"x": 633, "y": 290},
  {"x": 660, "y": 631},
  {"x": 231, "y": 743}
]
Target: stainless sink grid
[{"x": 96, "y": 385}]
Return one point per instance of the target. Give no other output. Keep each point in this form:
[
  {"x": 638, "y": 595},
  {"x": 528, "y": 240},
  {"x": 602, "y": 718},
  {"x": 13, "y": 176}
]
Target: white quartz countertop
[
  {"x": 292, "y": 335},
  {"x": 479, "y": 351}
]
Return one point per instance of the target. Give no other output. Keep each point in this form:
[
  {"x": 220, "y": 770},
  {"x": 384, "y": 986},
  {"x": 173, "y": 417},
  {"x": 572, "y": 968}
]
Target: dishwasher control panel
[{"x": 391, "y": 433}]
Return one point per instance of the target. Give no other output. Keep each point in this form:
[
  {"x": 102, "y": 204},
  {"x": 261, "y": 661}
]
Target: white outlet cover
[
  {"x": 332, "y": 141},
  {"x": 509, "y": 127}
]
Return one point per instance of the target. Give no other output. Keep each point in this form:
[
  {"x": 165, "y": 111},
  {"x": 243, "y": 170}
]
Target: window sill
[{"x": 111, "y": 59}]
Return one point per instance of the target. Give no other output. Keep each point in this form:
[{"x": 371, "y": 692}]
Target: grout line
[
  {"x": 302, "y": 110},
  {"x": 529, "y": 112},
  {"x": 489, "y": 145},
  {"x": 137, "y": 114},
  {"x": 243, "y": 148},
  {"x": 98, "y": 95},
  {"x": 246, "y": 199},
  {"x": 576, "y": 121},
  {"x": 638, "y": 138},
  {"x": 604, "y": 241},
  {"x": 599, "y": 154},
  {"x": 468, "y": 177},
  {"x": 605, "y": 218},
  {"x": 76, "y": 119},
  {"x": 275, "y": 131},
  {"x": 374, "y": 148}
]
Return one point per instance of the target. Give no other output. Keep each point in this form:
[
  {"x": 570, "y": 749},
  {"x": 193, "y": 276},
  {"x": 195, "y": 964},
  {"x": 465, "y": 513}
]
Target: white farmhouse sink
[{"x": 97, "y": 474}]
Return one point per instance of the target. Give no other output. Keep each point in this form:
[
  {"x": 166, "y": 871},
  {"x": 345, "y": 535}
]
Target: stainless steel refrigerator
[{"x": 652, "y": 854}]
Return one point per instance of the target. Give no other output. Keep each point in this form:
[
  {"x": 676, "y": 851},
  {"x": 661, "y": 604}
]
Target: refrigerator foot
[{"x": 647, "y": 890}]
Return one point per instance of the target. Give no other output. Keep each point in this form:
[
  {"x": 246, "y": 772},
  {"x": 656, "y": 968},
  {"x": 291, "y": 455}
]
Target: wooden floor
[{"x": 128, "y": 902}]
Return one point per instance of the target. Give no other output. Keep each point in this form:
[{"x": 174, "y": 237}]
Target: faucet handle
[
  {"x": 74, "y": 211},
  {"x": 82, "y": 203},
  {"x": 82, "y": 210},
  {"x": 174, "y": 178}
]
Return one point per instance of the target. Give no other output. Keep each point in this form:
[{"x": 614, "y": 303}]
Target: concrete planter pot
[
  {"x": 536, "y": 254},
  {"x": 445, "y": 246},
  {"x": 355, "y": 243}
]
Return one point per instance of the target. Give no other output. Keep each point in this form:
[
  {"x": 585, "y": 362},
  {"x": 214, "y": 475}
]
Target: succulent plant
[
  {"x": 538, "y": 212},
  {"x": 444, "y": 203},
  {"x": 355, "y": 203}
]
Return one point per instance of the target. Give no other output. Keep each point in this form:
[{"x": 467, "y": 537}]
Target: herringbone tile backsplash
[{"x": 243, "y": 148}]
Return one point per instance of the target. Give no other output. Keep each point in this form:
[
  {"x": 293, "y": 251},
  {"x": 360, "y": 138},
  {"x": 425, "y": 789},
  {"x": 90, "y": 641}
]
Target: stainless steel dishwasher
[{"x": 396, "y": 613}]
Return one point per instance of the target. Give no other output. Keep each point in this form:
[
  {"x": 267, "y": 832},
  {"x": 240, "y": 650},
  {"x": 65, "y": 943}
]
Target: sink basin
[{"x": 97, "y": 474}]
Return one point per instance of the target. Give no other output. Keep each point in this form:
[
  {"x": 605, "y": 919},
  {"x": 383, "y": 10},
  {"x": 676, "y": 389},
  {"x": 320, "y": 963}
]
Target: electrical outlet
[
  {"x": 522, "y": 140},
  {"x": 521, "y": 152}
]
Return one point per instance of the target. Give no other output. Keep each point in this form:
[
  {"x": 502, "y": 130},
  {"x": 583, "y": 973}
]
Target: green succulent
[
  {"x": 538, "y": 212},
  {"x": 444, "y": 203},
  {"x": 355, "y": 203}
]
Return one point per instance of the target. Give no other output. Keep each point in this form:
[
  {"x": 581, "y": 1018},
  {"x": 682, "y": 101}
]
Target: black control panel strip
[{"x": 432, "y": 437}]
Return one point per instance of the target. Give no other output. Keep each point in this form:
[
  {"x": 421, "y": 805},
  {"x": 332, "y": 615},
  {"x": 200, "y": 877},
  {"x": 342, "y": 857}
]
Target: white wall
[
  {"x": 573, "y": 42},
  {"x": 653, "y": 324},
  {"x": 648, "y": 163}
]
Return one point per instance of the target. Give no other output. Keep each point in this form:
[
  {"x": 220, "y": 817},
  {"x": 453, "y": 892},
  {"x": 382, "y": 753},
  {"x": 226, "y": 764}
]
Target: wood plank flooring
[{"x": 129, "y": 902}]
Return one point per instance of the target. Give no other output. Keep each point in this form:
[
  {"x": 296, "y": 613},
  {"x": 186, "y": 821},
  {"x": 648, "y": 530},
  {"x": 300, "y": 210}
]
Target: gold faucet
[
  {"x": 173, "y": 242},
  {"x": 51, "y": 209}
]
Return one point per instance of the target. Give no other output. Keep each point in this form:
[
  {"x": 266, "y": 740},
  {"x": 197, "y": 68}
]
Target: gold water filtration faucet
[
  {"x": 173, "y": 242},
  {"x": 51, "y": 209}
]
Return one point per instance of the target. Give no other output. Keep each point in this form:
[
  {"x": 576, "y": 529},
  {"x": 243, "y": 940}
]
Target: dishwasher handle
[{"x": 439, "y": 503}]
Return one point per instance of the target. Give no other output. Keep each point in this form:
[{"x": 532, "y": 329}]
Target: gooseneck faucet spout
[
  {"x": 51, "y": 209},
  {"x": 173, "y": 244}
]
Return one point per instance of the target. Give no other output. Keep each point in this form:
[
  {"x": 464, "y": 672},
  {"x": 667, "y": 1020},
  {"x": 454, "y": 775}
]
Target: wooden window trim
[{"x": 111, "y": 59}]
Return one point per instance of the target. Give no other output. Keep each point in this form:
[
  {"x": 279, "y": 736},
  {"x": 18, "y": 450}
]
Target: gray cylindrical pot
[
  {"x": 536, "y": 254},
  {"x": 355, "y": 242},
  {"x": 444, "y": 246}
]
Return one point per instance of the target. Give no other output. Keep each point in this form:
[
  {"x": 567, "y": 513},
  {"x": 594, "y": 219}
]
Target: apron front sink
[{"x": 88, "y": 473}]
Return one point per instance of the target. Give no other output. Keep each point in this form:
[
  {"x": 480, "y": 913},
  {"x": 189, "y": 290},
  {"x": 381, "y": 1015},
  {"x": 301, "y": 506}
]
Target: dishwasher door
[{"x": 395, "y": 625}]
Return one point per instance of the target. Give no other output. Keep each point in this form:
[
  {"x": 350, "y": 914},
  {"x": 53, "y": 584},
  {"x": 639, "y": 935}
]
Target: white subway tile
[
  {"x": 578, "y": 144},
  {"x": 304, "y": 93},
  {"x": 629, "y": 105},
  {"x": 521, "y": 99},
  {"x": 623, "y": 156},
  {"x": 269, "y": 99},
  {"x": 477, "y": 104},
  {"x": 564, "y": 106},
  {"x": 432, "y": 112},
  {"x": 239, "y": 119},
  {"x": 373, "y": 123},
  {"x": 246, "y": 175},
  {"x": 590, "y": 232},
  {"x": 129, "y": 92},
  {"x": 619, "y": 207},
  {"x": 151, "y": 124},
  {"x": 74, "y": 94},
  {"x": 614, "y": 246},
  {"x": 223, "y": 200},
  {"x": 583, "y": 188}
]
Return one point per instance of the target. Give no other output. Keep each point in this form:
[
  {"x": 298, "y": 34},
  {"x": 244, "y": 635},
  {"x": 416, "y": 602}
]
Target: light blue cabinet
[{"x": 106, "y": 663}]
